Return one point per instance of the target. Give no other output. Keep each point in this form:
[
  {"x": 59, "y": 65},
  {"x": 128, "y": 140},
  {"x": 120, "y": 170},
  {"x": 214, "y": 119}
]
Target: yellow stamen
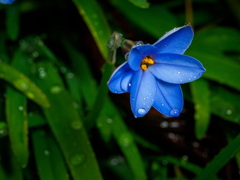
[
  {"x": 146, "y": 62},
  {"x": 144, "y": 66}
]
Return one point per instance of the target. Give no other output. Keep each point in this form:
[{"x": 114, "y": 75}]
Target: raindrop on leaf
[{"x": 77, "y": 159}]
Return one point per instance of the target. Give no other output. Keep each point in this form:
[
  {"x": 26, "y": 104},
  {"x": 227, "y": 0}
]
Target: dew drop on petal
[
  {"x": 174, "y": 112},
  {"x": 141, "y": 111}
]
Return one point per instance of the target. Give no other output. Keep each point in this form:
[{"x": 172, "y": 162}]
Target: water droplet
[
  {"x": 42, "y": 73},
  {"x": 162, "y": 104},
  {"x": 77, "y": 159},
  {"x": 70, "y": 75},
  {"x": 178, "y": 72},
  {"x": 185, "y": 158},
  {"x": 77, "y": 124},
  {"x": 125, "y": 139},
  {"x": 229, "y": 112},
  {"x": 63, "y": 69},
  {"x": 20, "y": 108},
  {"x": 109, "y": 121},
  {"x": 126, "y": 55},
  {"x": 35, "y": 54},
  {"x": 174, "y": 112},
  {"x": 194, "y": 77},
  {"x": 129, "y": 84},
  {"x": 138, "y": 43},
  {"x": 55, "y": 89},
  {"x": 21, "y": 84},
  {"x": 30, "y": 95},
  {"x": 46, "y": 152},
  {"x": 141, "y": 111}
]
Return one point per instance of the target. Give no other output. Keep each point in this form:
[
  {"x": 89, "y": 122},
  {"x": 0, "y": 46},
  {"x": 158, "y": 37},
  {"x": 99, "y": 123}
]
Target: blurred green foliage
[{"x": 58, "y": 121}]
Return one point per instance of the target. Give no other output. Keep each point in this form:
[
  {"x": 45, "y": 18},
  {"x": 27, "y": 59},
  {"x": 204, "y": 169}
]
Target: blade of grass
[
  {"x": 66, "y": 125},
  {"x": 16, "y": 113},
  {"x": 50, "y": 162},
  {"x": 140, "y": 3},
  {"x": 220, "y": 159},
  {"x": 41, "y": 152},
  {"x": 124, "y": 139},
  {"x": 23, "y": 84},
  {"x": 96, "y": 21},
  {"x": 201, "y": 98},
  {"x": 12, "y": 22}
]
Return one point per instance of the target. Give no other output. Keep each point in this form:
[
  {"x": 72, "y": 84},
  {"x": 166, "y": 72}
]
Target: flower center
[{"x": 146, "y": 62}]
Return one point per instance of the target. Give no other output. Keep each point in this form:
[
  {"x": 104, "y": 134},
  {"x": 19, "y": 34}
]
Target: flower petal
[
  {"x": 143, "y": 91},
  {"x": 176, "y": 68},
  {"x": 168, "y": 99},
  {"x": 175, "y": 41},
  {"x": 138, "y": 53},
  {"x": 120, "y": 77},
  {"x": 6, "y": 1}
]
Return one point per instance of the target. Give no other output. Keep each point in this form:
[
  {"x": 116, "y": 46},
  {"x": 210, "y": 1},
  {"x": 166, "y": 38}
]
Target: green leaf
[
  {"x": 23, "y": 84},
  {"x": 49, "y": 160},
  {"x": 16, "y": 114},
  {"x": 124, "y": 139},
  {"x": 155, "y": 20},
  {"x": 210, "y": 46},
  {"x": 101, "y": 95},
  {"x": 201, "y": 98},
  {"x": 220, "y": 159},
  {"x": 225, "y": 103},
  {"x": 219, "y": 67},
  {"x": 96, "y": 21},
  {"x": 88, "y": 84},
  {"x": 140, "y": 3},
  {"x": 12, "y": 22},
  {"x": 66, "y": 125}
]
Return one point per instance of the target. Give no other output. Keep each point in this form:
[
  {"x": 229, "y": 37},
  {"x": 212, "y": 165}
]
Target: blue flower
[
  {"x": 6, "y": 1},
  {"x": 153, "y": 73}
]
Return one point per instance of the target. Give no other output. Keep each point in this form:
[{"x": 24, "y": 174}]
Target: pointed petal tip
[{"x": 174, "y": 112}]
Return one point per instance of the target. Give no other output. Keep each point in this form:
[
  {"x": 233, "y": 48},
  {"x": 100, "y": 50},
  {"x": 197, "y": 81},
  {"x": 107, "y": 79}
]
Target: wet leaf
[{"x": 96, "y": 21}]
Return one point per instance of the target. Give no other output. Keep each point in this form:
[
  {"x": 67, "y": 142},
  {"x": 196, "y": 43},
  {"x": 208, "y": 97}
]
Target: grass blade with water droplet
[
  {"x": 16, "y": 115},
  {"x": 49, "y": 160},
  {"x": 43, "y": 161},
  {"x": 96, "y": 22},
  {"x": 124, "y": 139},
  {"x": 66, "y": 124},
  {"x": 23, "y": 84},
  {"x": 201, "y": 98}
]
